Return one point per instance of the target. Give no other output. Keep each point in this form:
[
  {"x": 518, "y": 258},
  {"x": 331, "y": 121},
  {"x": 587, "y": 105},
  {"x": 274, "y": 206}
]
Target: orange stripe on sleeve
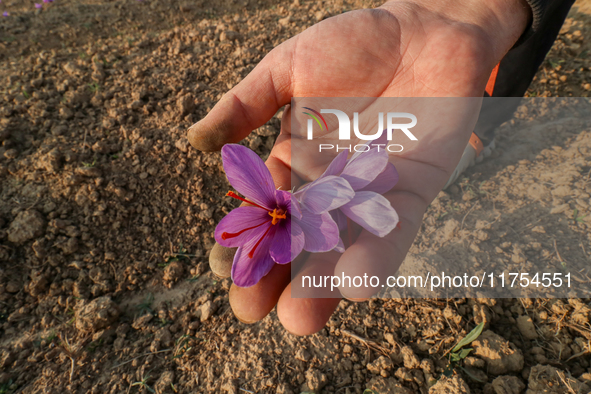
[{"x": 490, "y": 85}]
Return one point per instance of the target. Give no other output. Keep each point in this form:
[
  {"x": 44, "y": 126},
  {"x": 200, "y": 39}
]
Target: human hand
[{"x": 422, "y": 48}]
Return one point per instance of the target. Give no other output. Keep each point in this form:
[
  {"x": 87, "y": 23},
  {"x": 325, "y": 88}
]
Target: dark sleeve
[
  {"x": 543, "y": 14},
  {"x": 520, "y": 64}
]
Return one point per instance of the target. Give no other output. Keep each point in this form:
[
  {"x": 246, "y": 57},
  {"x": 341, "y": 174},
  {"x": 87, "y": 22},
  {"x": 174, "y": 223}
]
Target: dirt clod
[
  {"x": 27, "y": 225},
  {"x": 453, "y": 385},
  {"x": 97, "y": 314},
  {"x": 505, "y": 385},
  {"x": 315, "y": 380},
  {"x": 387, "y": 386},
  {"x": 526, "y": 327},
  {"x": 500, "y": 355},
  {"x": 550, "y": 380},
  {"x": 410, "y": 359}
]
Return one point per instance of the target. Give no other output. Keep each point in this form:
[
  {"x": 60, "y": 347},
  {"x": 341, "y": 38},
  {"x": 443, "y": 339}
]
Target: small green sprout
[
  {"x": 89, "y": 165},
  {"x": 577, "y": 218},
  {"x": 94, "y": 87},
  {"x": 458, "y": 353},
  {"x": 146, "y": 306},
  {"x": 7, "y": 388},
  {"x": 144, "y": 384}
]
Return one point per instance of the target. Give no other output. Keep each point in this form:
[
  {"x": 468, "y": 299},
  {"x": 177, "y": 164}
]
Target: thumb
[{"x": 248, "y": 105}]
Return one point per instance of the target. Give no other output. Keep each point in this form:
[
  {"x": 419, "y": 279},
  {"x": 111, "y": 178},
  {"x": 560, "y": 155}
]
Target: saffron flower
[
  {"x": 370, "y": 174},
  {"x": 38, "y": 6},
  {"x": 5, "y": 13},
  {"x": 273, "y": 228}
]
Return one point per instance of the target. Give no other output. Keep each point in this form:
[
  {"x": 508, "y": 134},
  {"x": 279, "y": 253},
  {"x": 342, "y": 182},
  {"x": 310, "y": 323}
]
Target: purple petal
[
  {"x": 340, "y": 219},
  {"x": 5, "y": 13},
  {"x": 364, "y": 168},
  {"x": 385, "y": 180},
  {"x": 336, "y": 165},
  {"x": 288, "y": 243},
  {"x": 246, "y": 270},
  {"x": 248, "y": 174},
  {"x": 37, "y": 5},
  {"x": 298, "y": 239},
  {"x": 321, "y": 232},
  {"x": 325, "y": 194},
  {"x": 286, "y": 200},
  {"x": 340, "y": 246},
  {"x": 239, "y": 219},
  {"x": 373, "y": 212}
]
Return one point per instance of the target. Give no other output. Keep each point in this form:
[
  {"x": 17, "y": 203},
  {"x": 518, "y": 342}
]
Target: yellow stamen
[{"x": 277, "y": 215}]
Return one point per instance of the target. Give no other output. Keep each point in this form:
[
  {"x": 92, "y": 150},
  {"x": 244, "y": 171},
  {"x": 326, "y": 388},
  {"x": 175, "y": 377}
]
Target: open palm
[{"x": 400, "y": 50}]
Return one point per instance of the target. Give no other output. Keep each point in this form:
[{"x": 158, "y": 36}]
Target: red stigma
[
  {"x": 236, "y": 196},
  {"x": 251, "y": 253},
  {"x": 226, "y": 235}
]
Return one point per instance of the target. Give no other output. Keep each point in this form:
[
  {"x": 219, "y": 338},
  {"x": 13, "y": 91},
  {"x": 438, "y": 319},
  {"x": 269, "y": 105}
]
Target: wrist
[{"x": 501, "y": 22}]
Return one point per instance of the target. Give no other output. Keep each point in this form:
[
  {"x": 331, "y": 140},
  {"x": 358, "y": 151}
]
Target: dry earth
[{"x": 106, "y": 220}]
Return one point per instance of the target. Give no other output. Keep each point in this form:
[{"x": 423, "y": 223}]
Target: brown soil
[{"x": 106, "y": 220}]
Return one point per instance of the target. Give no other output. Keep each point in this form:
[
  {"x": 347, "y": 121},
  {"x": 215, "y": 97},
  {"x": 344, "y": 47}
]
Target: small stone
[
  {"x": 38, "y": 285},
  {"x": 559, "y": 208},
  {"x": 90, "y": 172},
  {"x": 163, "y": 336},
  {"x": 12, "y": 287},
  {"x": 316, "y": 380},
  {"x": 319, "y": 15},
  {"x": 141, "y": 323},
  {"x": 97, "y": 314},
  {"x": 229, "y": 35},
  {"x": 220, "y": 260},
  {"x": 174, "y": 271},
  {"x": 527, "y": 328},
  {"x": 379, "y": 365},
  {"x": 207, "y": 310},
  {"x": 508, "y": 385},
  {"x": 285, "y": 21},
  {"x": 100, "y": 147},
  {"x": 27, "y": 225},
  {"x": 66, "y": 113},
  {"x": 302, "y": 355},
  {"x": 58, "y": 130},
  {"x": 185, "y": 105},
  {"x": 403, "y": 373},
  {"x": 182, "y": 144}
]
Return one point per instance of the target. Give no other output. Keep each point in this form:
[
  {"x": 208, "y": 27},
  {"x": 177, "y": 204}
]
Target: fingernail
[{"x": 243, "y": 321}]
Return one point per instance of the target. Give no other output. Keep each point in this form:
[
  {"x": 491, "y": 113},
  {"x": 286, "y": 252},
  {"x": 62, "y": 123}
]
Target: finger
[
  {"x": 248, "y": 105},
  {"x": 304, "y": 316},
  {"x": 372, "y": 256},
  {"x": 251, "y": 304},
  {"x": 304, "y": 309}
]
